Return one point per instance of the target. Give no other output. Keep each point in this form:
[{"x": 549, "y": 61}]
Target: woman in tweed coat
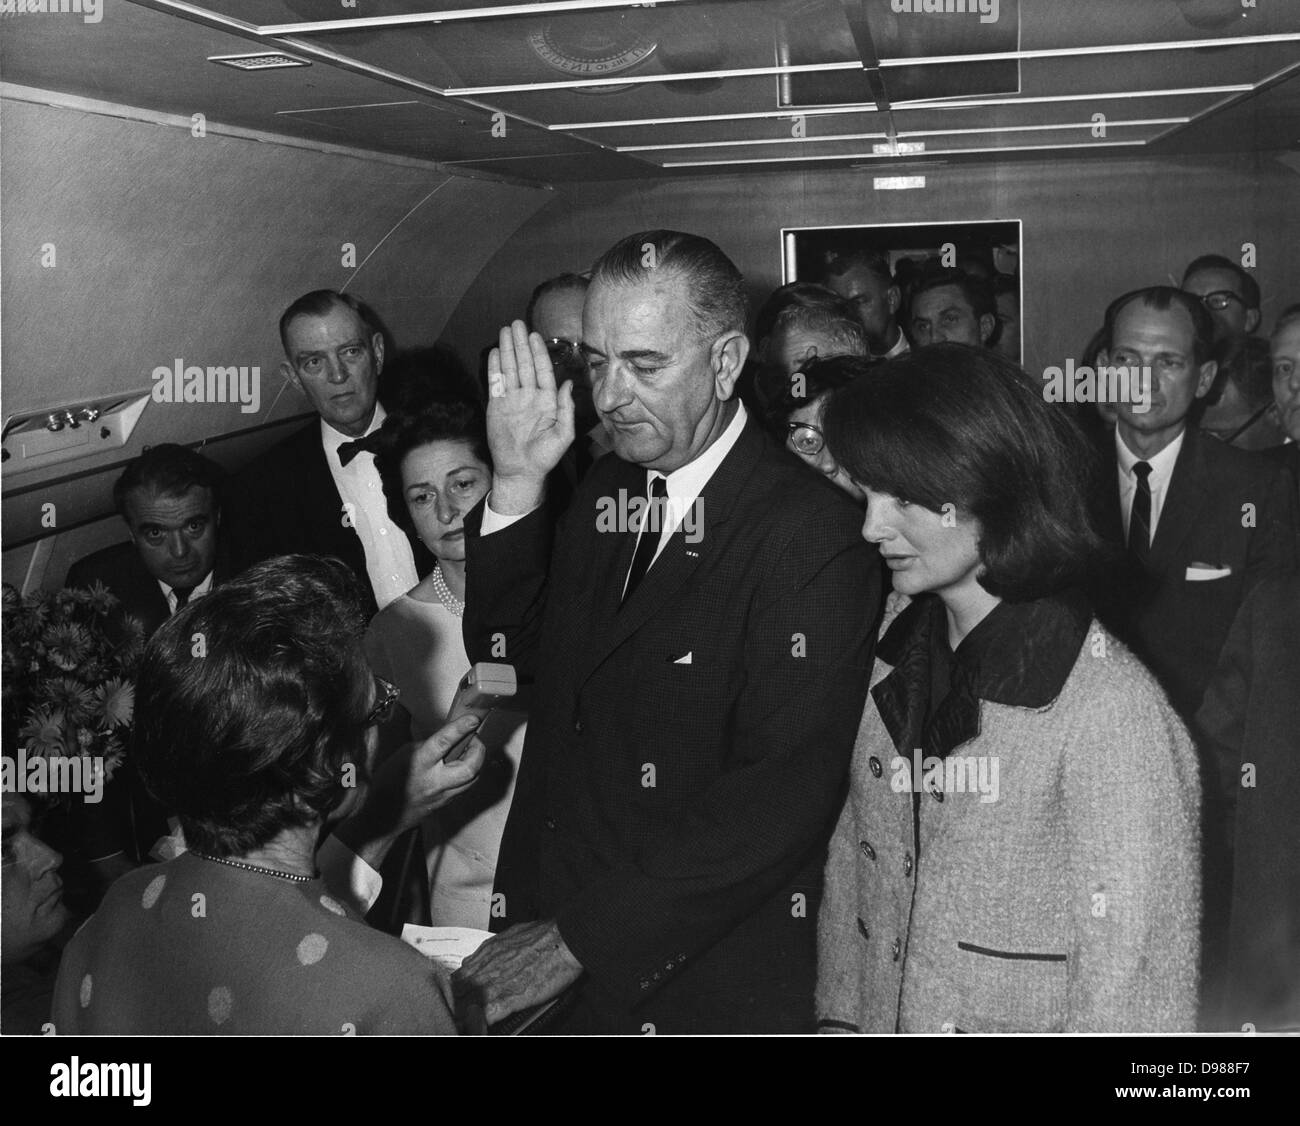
[{"x": 1019, "y": 849}]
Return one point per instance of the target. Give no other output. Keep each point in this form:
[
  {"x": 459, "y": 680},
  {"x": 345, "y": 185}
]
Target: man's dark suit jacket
[
  {"x": 687, "y": 754},
  {"x": 1176, "y": 625},
  {"x": 285, "y": 502},
  {"x": 1251, "y": 715},
  {"x": 127, "y": 819},
  {"x": 119, "y": 568}
]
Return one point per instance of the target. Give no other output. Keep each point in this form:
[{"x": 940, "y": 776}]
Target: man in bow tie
[{"x": 318, "y": 492}]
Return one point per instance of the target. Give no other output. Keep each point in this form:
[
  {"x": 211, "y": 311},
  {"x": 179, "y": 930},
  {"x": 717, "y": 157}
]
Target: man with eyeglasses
[
  {"x": 555, "y": 313},
  {"x": 1235, "y": 409},
  {"x": 1227, "y": 291}
]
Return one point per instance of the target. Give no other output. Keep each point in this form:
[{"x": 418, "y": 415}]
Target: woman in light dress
[{"x": 435, "y": 465}]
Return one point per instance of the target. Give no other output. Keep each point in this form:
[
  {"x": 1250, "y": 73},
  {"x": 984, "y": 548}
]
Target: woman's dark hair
[
  {"x": 816, "y": 378},
  {"x": 434, "y": 420},
  {"x": 251, "y": 701},
  {"x": 952, "y": 424}
]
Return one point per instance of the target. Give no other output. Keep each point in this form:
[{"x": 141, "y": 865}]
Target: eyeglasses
[
  {"x": 1220, "y": 299},
  {"x": 805, "y": 439},
  {"x": 566, "y": 357},
  {"x": 386, "y": 694}
]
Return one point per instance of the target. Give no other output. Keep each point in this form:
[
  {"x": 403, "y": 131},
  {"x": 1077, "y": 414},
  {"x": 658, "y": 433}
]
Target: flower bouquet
[{"x": 69, "y": 664}]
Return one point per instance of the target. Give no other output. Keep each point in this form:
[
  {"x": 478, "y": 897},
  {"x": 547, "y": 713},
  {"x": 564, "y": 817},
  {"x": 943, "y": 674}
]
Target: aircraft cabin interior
[{"x": 175, "y": 172}]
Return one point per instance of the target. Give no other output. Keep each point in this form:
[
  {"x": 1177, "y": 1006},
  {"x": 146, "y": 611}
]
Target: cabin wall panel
[
  {"x": 1092, "y": 230},
  {"x": 169, "y": 246}
]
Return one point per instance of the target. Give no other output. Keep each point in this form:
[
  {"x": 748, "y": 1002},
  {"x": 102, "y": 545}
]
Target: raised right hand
[{"x": 529, "y": 421}]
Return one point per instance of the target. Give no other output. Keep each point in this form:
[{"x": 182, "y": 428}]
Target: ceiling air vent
[{"x": 261, "y": 61}]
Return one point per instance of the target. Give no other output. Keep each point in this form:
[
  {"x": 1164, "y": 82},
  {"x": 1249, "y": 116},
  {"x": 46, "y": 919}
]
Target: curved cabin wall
[
  {"x": 169, "y": 246},
  {"x": 1092, "y": 229}
]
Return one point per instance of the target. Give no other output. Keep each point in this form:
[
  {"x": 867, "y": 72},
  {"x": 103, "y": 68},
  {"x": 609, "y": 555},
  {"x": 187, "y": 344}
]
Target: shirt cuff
[
  {"x": 494, "y": 522},
  {"x": 347, "y": 876}
]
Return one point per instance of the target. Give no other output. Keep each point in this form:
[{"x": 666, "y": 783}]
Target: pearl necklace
[
  {"x": 254, "y": 868},
  {"x": 454, "y": 604}
]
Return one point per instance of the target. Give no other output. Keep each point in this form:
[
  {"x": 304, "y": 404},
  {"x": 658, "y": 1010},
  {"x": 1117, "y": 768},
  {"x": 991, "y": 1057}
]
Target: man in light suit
[
  {"x": 318, "y": 491},
  {"x": 699, "y": 679}
]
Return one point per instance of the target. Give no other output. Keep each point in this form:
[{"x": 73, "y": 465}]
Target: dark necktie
[
  {"x": 1139, "y": 521},
  {"x": 648, "y": 541},
  {"x": 369, "y": 444},
  {"x": 182, "y": 594}
]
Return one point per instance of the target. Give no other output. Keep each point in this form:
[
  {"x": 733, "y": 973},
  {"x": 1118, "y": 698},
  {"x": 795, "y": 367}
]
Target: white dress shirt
[
  {"x": 1162, "y": 471},
  {"x": 684, "y": 485},
  {"x": 390, "y": 563},
  {"x": 198, "y": 592}
]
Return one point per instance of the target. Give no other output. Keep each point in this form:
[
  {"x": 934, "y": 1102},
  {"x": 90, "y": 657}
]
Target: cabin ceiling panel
[{"x": 553, "y": 89}]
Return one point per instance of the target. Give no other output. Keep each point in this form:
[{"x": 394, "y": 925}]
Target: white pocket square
[
  {"x": 1201, "y": 574},
  {"x": 685, "y": 660}
]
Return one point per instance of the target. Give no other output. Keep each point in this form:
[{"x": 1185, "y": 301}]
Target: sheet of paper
[{"x": 448, "y": 946}]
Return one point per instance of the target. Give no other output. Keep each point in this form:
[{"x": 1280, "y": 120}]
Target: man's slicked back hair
[
  {"x": 170, "y": 471},
  {"x": 318, "y": 303},
  {"x": 715, "y": 288},
  {"x": 561, "y": 283},
  {"x": 1162, "y": 298},
  {"x": 836, "y": 263}
]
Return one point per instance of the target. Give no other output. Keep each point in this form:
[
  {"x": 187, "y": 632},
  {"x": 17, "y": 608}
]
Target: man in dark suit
[
  {"x": 168, "y": 498},
  {"x": 1284, "y": 351},
  {"x": 1202, "y": 522},
  {"x": 700, "y": 673},
  {"x": 1250, "y": 723},
  {"x": 318, "y": 492}
]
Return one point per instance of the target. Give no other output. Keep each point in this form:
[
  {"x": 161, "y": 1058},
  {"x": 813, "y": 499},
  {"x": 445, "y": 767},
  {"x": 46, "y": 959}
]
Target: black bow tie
[{"x": 369, "y": 444}]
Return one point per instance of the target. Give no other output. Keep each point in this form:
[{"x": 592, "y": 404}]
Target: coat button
[
  {"x": 862, "y": 928},
  {"x": 577, "y": 726},
  {"x": 907, "y": 864},
  {"x": 896, "y": 949},
  {"x": 550, "y": 824},
  {"x": 876, "y": 768},
  {"x": 867, "y": 850}
]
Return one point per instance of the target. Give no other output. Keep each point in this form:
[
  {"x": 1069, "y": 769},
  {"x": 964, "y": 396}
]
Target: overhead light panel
[
  {"x": 262, "y": 60},
  {"x": 454, "y": 15}
]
